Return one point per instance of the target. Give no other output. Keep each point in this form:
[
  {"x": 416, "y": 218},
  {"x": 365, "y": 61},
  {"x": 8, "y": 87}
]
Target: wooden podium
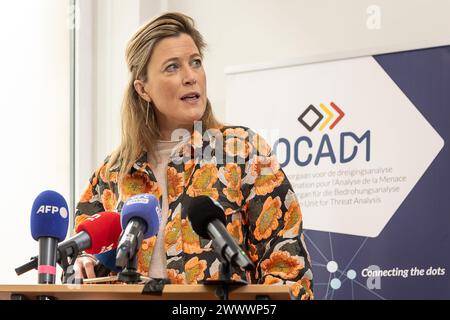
[{"x": 134, "y": 292}]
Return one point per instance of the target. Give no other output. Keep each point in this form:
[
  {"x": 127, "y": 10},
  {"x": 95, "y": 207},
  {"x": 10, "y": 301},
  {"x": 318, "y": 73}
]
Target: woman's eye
[
  {"x": 197, "y": 63},
  {"x": 172, "y": 67}
]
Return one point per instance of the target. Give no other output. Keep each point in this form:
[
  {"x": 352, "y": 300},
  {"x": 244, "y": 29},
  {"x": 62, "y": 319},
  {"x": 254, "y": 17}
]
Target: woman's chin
[{"x": 193, "y": 114}]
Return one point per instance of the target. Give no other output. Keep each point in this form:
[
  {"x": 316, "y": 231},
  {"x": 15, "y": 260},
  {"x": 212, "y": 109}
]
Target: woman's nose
[{"x": 189, "y": 77}]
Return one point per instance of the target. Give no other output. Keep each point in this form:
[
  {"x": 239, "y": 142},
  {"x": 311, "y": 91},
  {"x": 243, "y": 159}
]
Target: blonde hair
[{"x": 137, "y": 135}]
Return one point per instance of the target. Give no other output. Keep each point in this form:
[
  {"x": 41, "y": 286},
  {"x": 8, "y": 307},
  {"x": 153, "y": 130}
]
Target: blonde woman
[{"x": 173, "y": 147}]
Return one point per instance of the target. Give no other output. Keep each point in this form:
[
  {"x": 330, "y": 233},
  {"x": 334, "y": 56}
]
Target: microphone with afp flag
[{"x": 215, "y": 159}]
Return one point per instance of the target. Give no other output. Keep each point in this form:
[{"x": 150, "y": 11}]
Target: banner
[{"x": 363, "y": 142}]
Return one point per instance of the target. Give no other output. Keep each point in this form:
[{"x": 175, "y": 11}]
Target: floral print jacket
[{"x": 234, "y": 166}]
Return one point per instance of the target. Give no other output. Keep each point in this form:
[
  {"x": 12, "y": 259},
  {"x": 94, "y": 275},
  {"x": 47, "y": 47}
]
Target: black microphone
[{"x": 208, "y": 221}]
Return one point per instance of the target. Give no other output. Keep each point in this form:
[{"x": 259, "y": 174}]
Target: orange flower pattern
[
  {"x": 145, "y": 253},
  {"x": 268, "y": 219},
  {"x": 253, "y": 252},
  {"x": 87, "y": 194},
  {"x": 191, "y": 240},
  {"x": 113, "y": 177},
  {"x": 174, "y": 184},
  {"x": 172, "y": 233},
  {"x": 292, "y": 219},
  {"x": 261, "y": 212},
  {"x": 237, "y": 147},
  {"x": 302, "y": 286},
  {"x": 235, "y": 229},
  {"x": 109, "y": 200},
  {"x": 282, "y": 264},
  {"x": 272, "y": 280},
  {"x": 236, "y": 132},
  {"x": 175, "y": 276},
  {"x": 194, "y": 269},
  {"x": 102, "y": 173},
  {"x": 203, "y": 182},
  {"x": 232, "y": 173},
  {"x": 268, "y": 175},
  {"x": 196, "y": 139},
  {"x": 138, "y": 183}
]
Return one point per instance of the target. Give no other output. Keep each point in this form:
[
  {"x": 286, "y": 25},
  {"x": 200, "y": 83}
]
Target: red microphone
[{"x": 99, "y": 233}]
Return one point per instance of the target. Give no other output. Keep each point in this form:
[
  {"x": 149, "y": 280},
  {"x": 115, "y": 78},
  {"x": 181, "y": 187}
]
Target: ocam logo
[{"x": 304, "y": 146}]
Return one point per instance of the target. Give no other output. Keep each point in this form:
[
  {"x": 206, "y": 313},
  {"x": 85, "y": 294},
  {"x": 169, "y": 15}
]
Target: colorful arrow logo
[{"x": 329, "y": 115}]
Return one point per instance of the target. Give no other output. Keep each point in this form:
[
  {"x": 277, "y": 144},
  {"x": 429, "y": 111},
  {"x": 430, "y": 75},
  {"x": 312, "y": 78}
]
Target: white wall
[
  {"x": 116, "y": 22},
  {"x": 34, "y": 121},
  {"x": 85, "y": 87},
  {"x": 105, "y": 27}
]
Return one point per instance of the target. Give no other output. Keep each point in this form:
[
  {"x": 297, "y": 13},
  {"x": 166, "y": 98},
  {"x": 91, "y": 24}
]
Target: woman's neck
[{"x": 175, "y": 133}]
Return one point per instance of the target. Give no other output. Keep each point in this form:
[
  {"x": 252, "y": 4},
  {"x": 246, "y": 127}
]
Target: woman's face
[{"x": 176, "y": 83}]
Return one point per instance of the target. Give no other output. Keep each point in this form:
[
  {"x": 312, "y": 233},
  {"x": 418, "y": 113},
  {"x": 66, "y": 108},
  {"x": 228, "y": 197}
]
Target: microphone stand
[
  {"x": 68, "y": 254},
  {"x": 225, "y": 277},
  {"x": 225, "y": 282},
  {"x": 129, "y": 274}
]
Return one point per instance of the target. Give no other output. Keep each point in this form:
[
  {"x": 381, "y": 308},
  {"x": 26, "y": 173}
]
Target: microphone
[
  {"x": 140, "y": 220},
  {"x": 97, "y": 234},
  {"x": 106, "y": 263},
  {"x": 208, "y": 221},
  {"x": 49, "y": 222}
]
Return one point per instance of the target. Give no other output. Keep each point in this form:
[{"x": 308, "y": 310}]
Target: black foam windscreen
[{"x": 201, "y": 211}]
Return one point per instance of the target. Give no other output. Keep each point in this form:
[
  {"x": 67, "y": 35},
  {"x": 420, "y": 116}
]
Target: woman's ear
[{"x": 139, "y": 86}]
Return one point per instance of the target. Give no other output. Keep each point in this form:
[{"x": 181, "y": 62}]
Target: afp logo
[{"x": 53, "y": 210}]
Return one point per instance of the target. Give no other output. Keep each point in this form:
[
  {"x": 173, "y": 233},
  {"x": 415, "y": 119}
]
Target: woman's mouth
[{"x": 191, "y": 97}]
